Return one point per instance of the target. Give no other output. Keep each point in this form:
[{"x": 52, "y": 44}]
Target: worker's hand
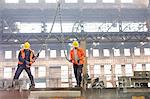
[
  {"x": 37, "y": 55},
  {"x": 28, "y": 66},
  {"x": 70, "y": 61},
  {"x": 78, "y": 61},
  {"x": 27, "y": 62}
]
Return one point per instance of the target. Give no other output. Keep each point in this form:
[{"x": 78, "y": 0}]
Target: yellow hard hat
[
  {"x": 26, "y": 45},
  {"x": 75, "y": 44}
]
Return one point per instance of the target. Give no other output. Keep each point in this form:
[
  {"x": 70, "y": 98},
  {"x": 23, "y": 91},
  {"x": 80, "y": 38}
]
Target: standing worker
[
  {"x": 77, "y": 58},
  {"x": 26, "y": 59}
]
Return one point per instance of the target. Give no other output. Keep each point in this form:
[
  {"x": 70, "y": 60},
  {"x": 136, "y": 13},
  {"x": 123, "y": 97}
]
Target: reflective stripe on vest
[{"x": 23, "y": 56}]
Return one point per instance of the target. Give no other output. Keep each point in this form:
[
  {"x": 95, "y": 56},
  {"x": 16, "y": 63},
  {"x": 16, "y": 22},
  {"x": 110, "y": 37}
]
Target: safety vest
[
  {"x": 23, "y": 56},
  {"x": 80, "y": 55}
]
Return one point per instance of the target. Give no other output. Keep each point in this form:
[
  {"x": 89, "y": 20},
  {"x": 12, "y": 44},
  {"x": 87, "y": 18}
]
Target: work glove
[
  {"x": 70, "y": 61},
  {"x": 27, "y": 62},
  {"x": 78, "y": 61},
  {"x": 37, "y": 55}
]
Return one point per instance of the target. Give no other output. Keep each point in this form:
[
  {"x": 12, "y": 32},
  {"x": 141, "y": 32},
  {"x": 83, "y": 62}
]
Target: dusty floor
[{"x": 89, "y": 94}]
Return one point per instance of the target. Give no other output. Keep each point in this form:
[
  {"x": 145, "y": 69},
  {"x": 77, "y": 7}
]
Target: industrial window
[
  {"x": 64, "y": 74},
  {"x": 73, "y": 77},
  {"x": 134, "y": 27},
  {"x": 42, "y": 54},
  {"x": 108, "y": 77},
  {"x": 7, "y": 72},
  {"x": 106, "y": 52},
  {"x": 88, "y": 69},
  {"x": 95, "y": 52},
  {"x": 87, "y": 53},
  {"x": 11, "y": 1},
  {"x": 108, "y": 27},
  {"x": 109, "y": 84},
  {"x": 40, "y": 85},
  {"x": 71, "y": 1},
  {"x": 107, "y": 69},
  {"x": 41, "y": 71},
  {"x": 66, "y": 27},
  {"x": 128, "y": 70},
  {"x": 33, "y": 71},
  {"x": 50, "y": 1},
  {"x": 126, "y": 52},
  {"x": 53, "y": 54},
  {"x": 32, "y": 1},
  {"x": 63, "y": 53},
  {"x": 108, "y": 1},
  {"x": 138, "y": 67},
  {"x": 126, "y": 1},
  {"x": 137, "y": 51},
  {"x": 97, "y": 70},
  {"x": 29, "y": 27},
  {"x": 101, "y": 27},
  {"x": 146, "y": 51},
  {"x": 8, "y": 54},
  {"x": 17, "y": 53},
  {"x": 89, "y": 1},
  {"x": 116, "y": 52},
  {"x": 65, "y": 85},
  {"x": 147, "y": 67},
  {"x": 56, "y": 27},
  {"x": 91, "y": 27},
  {"x": 118, "y": 70},
  {"x": 22, "y": 74}
]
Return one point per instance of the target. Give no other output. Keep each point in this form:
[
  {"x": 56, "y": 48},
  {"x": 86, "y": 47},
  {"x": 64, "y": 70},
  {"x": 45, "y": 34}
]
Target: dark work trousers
[
  {"x": 77, "y": 73},
  {"x": 19, "y": 70}
]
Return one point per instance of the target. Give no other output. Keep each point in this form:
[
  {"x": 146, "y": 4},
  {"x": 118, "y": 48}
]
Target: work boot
[
  {"x": 32, "y": 86},
  {"x": 77, "y": 86}
]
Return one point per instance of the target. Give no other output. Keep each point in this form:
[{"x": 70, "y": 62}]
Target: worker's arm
[
  {"x": 20, "y": 57},
  {"x": 32, "y": 59},
  {"x": 82, "y": 54},
  {"x": 71, "y": 57}
]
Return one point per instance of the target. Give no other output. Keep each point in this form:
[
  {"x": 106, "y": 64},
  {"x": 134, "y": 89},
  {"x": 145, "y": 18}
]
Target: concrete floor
[{"x": 88, "y": 94}]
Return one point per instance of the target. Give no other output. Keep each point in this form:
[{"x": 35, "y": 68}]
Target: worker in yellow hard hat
[
  {"x": 26, "y": 58},
  {"x": 77, "y": 58},
  {"x": 26, "y": 45}
]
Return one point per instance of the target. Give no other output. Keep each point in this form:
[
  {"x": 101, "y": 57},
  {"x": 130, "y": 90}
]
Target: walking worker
[
  {"x": 77, "y": 58},
  {"x": 26, "y": 58}
]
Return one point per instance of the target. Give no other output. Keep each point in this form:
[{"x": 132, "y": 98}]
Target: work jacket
[
  {"x": 80, "y": 55},
  {"x": 22, "y": 57}
]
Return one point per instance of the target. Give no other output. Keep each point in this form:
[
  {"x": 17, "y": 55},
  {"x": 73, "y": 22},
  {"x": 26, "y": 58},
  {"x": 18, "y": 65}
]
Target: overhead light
[
  {"x": 122, "y": 43},
  {"x": 21, "y": 45},
  {"x": 15, "y": 32},
  {"x": 5, "y": 27},
  {"x": 91, "y": 48},
  {"x": 48, "y": 49},
  {"x": 75, "y": 39},
  {"x": 98, "y": 37},
  {"x": 142, "y": 43},
  {"x": 148, "y": 38},
  {"x": 71, "y": 39},
  {"x": 103, "y": 38},
  {"x": 94, "y": 43},
  {"x": 124, "y": 38},
  {"x": 16, "y": 40},
  {"x": 70, "y": 44}
]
